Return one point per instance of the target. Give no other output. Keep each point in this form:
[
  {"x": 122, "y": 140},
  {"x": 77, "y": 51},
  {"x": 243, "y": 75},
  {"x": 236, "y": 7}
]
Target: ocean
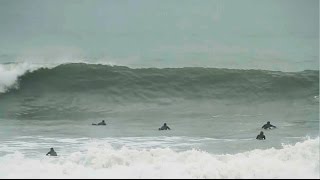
[{"x": 214, "y": 114}]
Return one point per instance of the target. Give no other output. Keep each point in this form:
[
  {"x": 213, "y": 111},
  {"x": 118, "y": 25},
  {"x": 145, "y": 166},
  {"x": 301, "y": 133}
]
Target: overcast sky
[{"x": 264, "y": 34}]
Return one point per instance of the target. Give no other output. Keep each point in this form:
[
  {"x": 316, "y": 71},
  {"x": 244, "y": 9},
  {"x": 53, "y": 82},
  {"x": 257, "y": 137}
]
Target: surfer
[
  {"x": 102, "y": 123},
  {"x": 268, "y": 126},
  {"x": 51, "y": 152},
  {"x": 164, "y": 127},
  {"x": 261, "y": 136}
]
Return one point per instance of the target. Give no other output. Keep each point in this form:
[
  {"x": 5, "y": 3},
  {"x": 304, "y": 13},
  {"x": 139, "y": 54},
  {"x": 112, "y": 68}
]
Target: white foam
[
  {"x": 103, "y": 161},
  {"x": 9, "y": 73}
]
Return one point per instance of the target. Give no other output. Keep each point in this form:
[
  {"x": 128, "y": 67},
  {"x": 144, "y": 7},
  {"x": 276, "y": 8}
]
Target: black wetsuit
[
  {"x": 164, "y": 128},
  {"x": 52, "y": 153},
  {"x": 100, "y": 124},
  {"x": 261, "y": 137},
  {"x": 268, "y": 126}
]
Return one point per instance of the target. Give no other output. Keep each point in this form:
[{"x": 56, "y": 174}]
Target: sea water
[{"x": 214, "y": 116}]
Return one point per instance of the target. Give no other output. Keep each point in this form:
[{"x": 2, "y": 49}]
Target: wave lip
[
  {"x": 9, "y": 74},
  {"x": 292, "y": 161}
]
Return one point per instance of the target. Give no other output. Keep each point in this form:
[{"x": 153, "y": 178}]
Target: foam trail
[{"x": 102, "y": 161}]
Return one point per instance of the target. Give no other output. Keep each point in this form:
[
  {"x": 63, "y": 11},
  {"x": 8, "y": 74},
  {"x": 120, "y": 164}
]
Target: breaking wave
[
  {"x": 153, "y": 82},
  {"x": 31, "y": 90}
]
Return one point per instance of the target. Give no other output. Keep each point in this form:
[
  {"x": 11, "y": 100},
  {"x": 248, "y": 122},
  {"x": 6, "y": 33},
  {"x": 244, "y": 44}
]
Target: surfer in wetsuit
[
  {"x": 268, "y": 126},
  {"x": 51, "y": 152},
  {"x": 164, "y": 127},
  {"x": 261, "y": 136},
  {"x": 101, "y": 123}
]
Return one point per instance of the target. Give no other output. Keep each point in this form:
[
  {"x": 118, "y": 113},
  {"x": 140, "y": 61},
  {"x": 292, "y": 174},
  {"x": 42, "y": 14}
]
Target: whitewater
[
  {"x": 215, "y": 115},
  {"x": 103, "y": 161}
]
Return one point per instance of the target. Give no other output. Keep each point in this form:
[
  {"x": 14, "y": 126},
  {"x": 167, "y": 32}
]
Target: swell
[
  {"x": 85, "y": 89},
  {"x": 169, "y": 82}
]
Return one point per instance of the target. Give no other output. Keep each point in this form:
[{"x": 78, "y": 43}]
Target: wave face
[
  {"x": 170, "y": 82},
  {"x": 92, "y": 86},
  {"x": 103, "y": 161}
]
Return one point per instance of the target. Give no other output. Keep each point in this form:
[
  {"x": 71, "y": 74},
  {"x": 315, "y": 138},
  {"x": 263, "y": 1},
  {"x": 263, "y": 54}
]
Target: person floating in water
[
  {"x": 51, "y": 152},
  {"x": 100, "y": 123},
  {"x": 164, "y": 127},
  {"x": 268, "y": 126},
  {"x": 261, "y": 136}
]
